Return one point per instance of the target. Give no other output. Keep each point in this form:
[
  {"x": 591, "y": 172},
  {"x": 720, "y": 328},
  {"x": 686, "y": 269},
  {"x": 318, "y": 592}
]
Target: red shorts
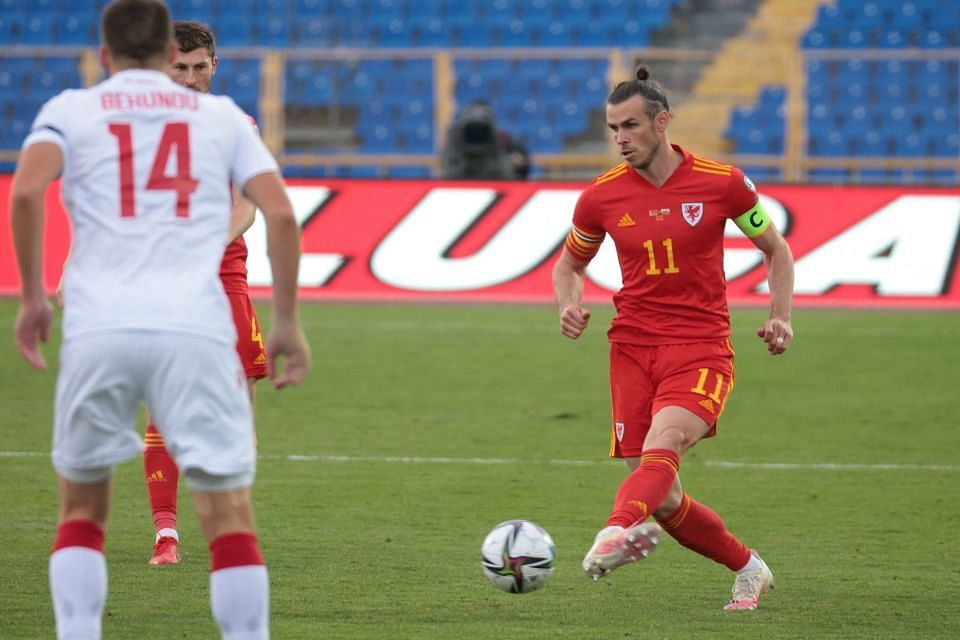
[
  {"x": 643, "y": 380},
  {"x": 253, "y": 356}
]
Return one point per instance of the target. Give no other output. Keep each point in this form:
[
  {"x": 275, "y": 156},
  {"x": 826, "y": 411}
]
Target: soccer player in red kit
[
  {"x": 193, "y": 67},
  {"x": 671, "y": 362}
]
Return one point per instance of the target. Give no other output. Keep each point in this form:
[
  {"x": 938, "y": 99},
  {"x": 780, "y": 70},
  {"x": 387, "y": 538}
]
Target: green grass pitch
[{"x": 422, "y": 426}]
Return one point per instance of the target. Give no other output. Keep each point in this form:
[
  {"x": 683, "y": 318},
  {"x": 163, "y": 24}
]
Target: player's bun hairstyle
[
  {"x": 137, "y": 30},
  {"x": 643, "y": 85},
  {"x": 194, "y": 35}
]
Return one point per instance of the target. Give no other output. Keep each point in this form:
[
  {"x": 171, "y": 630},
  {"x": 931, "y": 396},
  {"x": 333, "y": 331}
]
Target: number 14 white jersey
[{"x": 146, "y": 181}]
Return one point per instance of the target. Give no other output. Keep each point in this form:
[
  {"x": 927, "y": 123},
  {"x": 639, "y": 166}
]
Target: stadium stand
[
  {"x": 885, "y": 94},
  {"x": 370, "y": 82}
]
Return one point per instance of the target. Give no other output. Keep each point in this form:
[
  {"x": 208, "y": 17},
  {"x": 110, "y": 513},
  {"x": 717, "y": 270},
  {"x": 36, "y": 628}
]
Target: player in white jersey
[{"x": 146, "y": 168}]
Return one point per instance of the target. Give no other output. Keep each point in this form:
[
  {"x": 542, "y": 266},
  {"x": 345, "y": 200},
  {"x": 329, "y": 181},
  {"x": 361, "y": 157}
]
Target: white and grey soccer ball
[{"x": 518, "y": 556}]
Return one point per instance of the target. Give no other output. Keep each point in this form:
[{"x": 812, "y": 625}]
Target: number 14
[{"x": 174, "y": 140}]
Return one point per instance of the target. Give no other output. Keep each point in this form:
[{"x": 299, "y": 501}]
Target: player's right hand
[
  {"x": 31, "y": 327},
  {"x": 288, "y": 341},
  {"x": 573, "y": 321}
]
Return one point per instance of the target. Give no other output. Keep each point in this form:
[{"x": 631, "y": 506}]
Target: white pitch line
[
  {"x": 425, "y": 460},
  {"x": 722, "y": 464},
  {"x": 831, "y": 466}
]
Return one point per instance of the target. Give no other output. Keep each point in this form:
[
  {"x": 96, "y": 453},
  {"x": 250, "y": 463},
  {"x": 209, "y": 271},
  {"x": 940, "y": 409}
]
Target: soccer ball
[{"x": 518, "y": 556}]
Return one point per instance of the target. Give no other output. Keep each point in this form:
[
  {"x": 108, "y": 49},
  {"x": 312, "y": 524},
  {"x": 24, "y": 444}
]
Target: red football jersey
[
  {"x": 233, "y": 268},
  {"x": 669, "y": 242}
]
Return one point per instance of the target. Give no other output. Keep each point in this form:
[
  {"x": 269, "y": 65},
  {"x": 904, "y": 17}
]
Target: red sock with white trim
[
  {"x": 239, "y": 589},
  {"x": 699, "y": 528},
  {"x": 644, "y": 489},
  {"x": 162, "y": 481},
  {"x": 78, "y": 579}
]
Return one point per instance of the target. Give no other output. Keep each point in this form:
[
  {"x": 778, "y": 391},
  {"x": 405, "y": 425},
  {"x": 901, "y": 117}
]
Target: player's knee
[
  {"x": 675, "y": 435},
  {"x": 222, "y": 501},
  {"x": 85, "y": 495}
]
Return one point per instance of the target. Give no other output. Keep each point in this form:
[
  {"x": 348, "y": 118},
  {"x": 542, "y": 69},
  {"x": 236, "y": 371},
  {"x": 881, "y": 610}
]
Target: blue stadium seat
[
  {"x": 233, "y": 30},
  {"x": 910, "y": 145},
  {"x": 853, "y": 38},
  {"x": 394, "y": 34},
  {"x": 829, "y": 176},
  {"x": 853, "y": 70},
  {"x": 428, "y": 32},
  {"x": 38, "y": 28},
  {"x": 273, "y": 32},
  {"x": 313, "y": 32},
  {"x": 357, "y": 172},
  {"x": 411, "y": 172},
  {"x": 511, "y": 32},
  {"x": 575, "y": 11},
  {"x": 872, "y": 144},
  {"x": 76, "y": 29},
  {"x": 892, "y": 38},
  {"x": 817, "y": 38},
  {"x": 943, "y": 177},
  {"x": 380, "y": 140},
  {"x": 471, "y": 35},
  {"x": 555, "y": 34},
  {"x": 936, "y": 39},
  {"x": 9, "y": 24}
]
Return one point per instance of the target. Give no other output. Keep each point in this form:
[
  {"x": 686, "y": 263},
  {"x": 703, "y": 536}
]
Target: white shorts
[{"x": 196, "y": 391}]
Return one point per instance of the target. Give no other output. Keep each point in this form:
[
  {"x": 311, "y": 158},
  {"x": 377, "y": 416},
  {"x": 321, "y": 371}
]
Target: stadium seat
[
  {"x": 868, "y": 102},
  {"x": 76, "y": 29},
  {"x": 38, "y": 28},
  {"x": 233, "y": 30},
  {"x": 273, "y": 32}
]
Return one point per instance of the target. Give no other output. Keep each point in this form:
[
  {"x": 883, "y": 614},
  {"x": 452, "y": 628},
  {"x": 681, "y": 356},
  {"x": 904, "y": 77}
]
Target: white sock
[
  {"x": 240, "y": 600},
  {"x": 78, "y": 584},
  {"x": 752, "y": 564},
  {"x": 167, "y": 533}
]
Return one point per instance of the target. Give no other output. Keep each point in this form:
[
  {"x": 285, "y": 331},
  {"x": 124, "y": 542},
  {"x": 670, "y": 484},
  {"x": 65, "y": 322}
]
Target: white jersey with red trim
[{"x": 146, "y": 181}]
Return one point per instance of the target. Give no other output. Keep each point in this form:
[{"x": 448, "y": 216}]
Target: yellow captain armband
[{"x": 753, "y": 222}]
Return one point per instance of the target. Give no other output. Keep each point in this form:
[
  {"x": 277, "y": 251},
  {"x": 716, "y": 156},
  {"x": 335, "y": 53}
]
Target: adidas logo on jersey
[{"x": 626, "y": 221}]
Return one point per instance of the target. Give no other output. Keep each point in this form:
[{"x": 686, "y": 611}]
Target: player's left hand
[
  {"x": 777, "y": 333},
  {"x": 31, "y": 327}
]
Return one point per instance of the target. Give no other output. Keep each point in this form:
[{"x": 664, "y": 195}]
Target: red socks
[
  {"x": 699, "y": 528},
  {"x": 694, "y": 525},
  {"x": 162, "y": 480},
  {"x": 235, "y": 550},
  {"x": 645, "y": 488},
  {"x": 239, "y": 587},
  {"x": 79, "y": 533}
]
